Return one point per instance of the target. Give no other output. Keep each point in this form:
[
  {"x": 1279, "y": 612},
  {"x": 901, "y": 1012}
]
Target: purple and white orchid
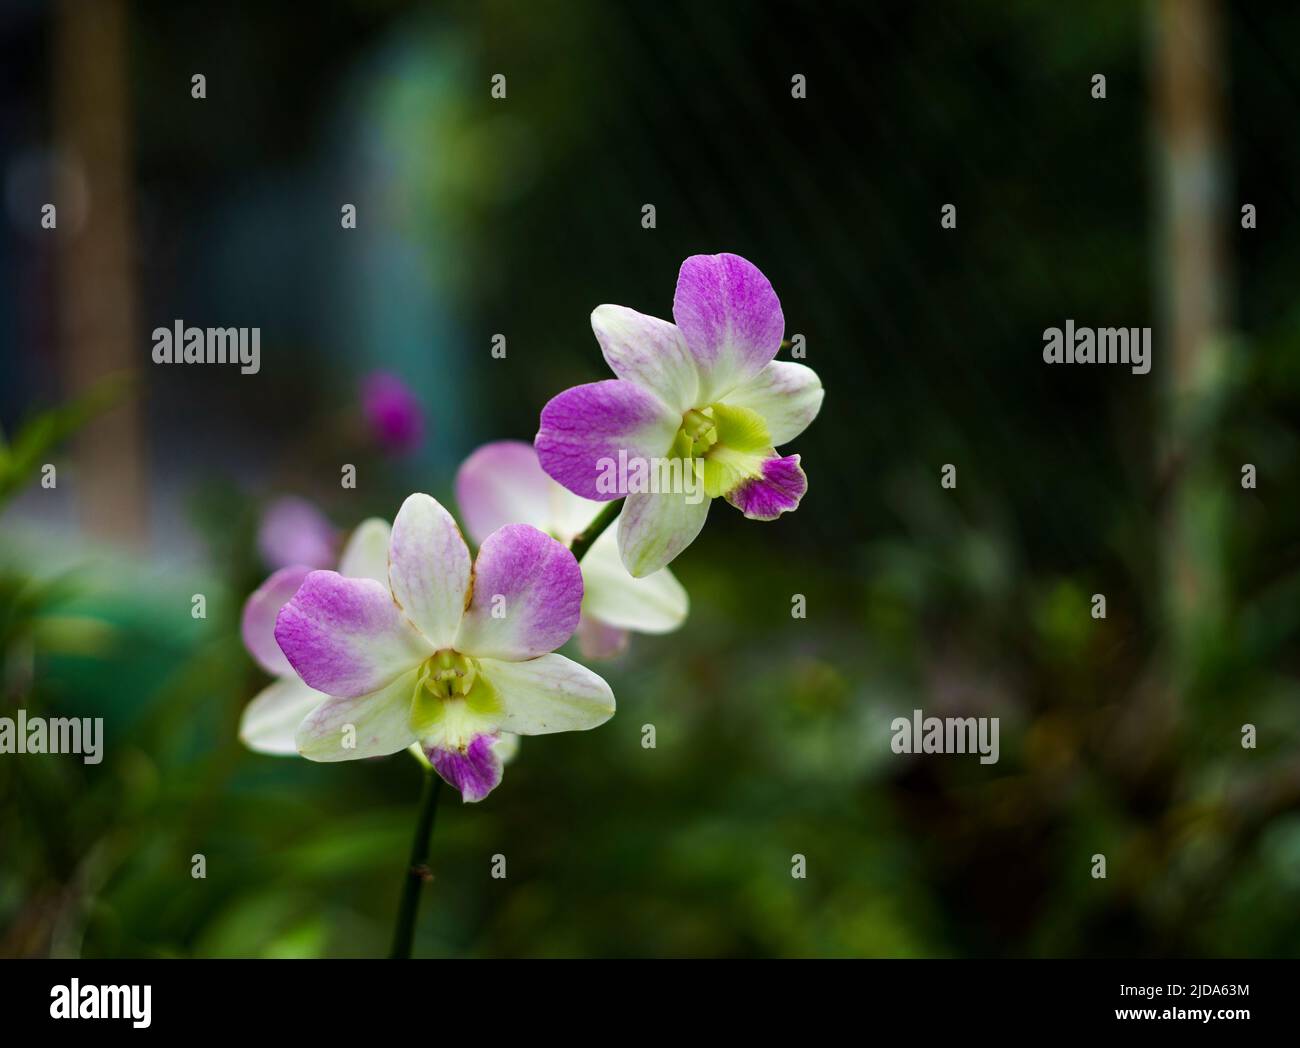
[
  {"x": 704, "y": 391},
  {"x": 503, "y": 483},
  {"x": 440, "y": 652},
  {"x": 270, "y": 722}
]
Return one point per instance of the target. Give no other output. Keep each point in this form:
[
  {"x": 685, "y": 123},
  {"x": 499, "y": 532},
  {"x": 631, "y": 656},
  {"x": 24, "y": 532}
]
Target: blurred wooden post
[
  {"x": 1187, "y": 89},
  {"x": 96, "y": 264}
]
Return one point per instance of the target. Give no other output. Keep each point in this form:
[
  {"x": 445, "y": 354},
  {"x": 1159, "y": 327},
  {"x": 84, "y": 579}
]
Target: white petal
[
  {"x": 548, "y": 694},
  {"x": 786, "y": 394},
  {"x": 648, "y": 351},
  {"x": 570, "y": 513},
  {"x": 372, "y": 725},
  {"x": 655, "y": 604},
  {"x": 654, "y": 528},
  {"x": 428, "y": 568},
  {"x": 507, "y": 747},
  {"x": 366, "y": 554},
  {"x": 270, "y": 722}
]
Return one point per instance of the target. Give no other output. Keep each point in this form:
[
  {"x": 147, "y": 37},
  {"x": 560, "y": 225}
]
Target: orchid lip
[
  {"x": 452, "y": 701},
  {"x": 447, "y": 674},
  {"x": 700, "y": 430},
  {"x": 706, "y": 438}
]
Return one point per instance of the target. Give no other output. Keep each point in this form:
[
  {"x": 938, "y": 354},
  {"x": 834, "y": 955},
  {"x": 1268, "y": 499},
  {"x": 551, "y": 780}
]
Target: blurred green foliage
[{"x": 37, "y": 438}]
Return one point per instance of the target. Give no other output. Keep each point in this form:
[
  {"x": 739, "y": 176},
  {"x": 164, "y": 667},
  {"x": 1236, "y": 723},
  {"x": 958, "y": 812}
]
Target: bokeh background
[{"x": 479, "y": 217}]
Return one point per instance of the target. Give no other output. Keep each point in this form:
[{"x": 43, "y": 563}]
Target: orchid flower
[
  {"x": 503, "y": 483},
  {"x": 270, "y": 722},
  {"x": 704, "y": 392},
  {"x": 292, "y": 531},
  {"x": 442, "y": 653},
  {"x": 392, "y": 412}
]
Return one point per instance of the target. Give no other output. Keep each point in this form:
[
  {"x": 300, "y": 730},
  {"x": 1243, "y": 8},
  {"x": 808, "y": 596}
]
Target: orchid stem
[
  {"x": 592, "y": 531},
  {"x": 417, "y": 871}
]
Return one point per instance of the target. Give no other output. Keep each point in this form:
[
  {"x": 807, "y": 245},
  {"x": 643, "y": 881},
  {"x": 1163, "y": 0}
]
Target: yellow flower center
[
  {"x": 448, "y": 673},
  {"x": 452, "y": 700},
  {"x": 700, "y": 431},
  {"x": 729, "y": 443}
]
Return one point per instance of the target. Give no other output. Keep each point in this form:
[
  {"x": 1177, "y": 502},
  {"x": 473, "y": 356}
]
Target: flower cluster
[{"x": 412, "y": 643}]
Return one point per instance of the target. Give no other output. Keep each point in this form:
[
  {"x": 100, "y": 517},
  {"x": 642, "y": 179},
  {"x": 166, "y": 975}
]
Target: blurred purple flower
[
  {"x": 293, "y": 531},
  {"x": 393, "y": 413}
]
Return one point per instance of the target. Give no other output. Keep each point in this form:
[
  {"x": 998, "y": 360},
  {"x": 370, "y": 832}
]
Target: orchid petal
[
  {"x": 429, "y": 568},
  {"x": 257, "y": 624},
  {"x": 503, "y": 483},
  {"x": 584, "y": 428},
  {"x": 600, "y": 640},
  {"x": 346, "y": 636},
  {"x": 371, "y": 725},
  {"x": 654, "y": 528},
  {"x": 743, "y": 444},
  {"x": 451, "y": 723},
  {"x": 527, "y": 596},
  {"x": 655, "y": 604},
  {"x": 731, "y": 318},
  {"x": 548, "y": 694},
  {"x": 507, "y": 747},
  {"x": 572, "y": 514},
  {"x": 648, "y": 351},
  {"x": 366, "y": 554},
  {"x": 787, "y": 396},
  {"x": 270, "y": 722},
  {"x": 778, "y": 489},
  {"x": 475, "y": 771}
]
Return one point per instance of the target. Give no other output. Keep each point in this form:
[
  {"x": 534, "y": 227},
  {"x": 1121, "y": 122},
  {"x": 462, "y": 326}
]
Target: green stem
[
  {"x": 591, "y": 532},
  {"x": 417, "y": 871}
]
